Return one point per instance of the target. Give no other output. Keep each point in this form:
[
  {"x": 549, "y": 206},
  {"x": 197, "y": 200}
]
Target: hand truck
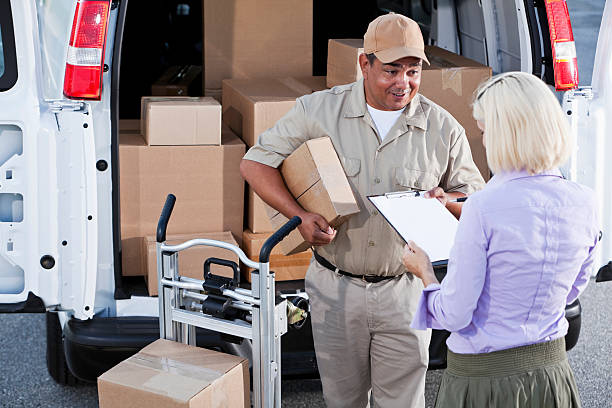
[{"x": 223, "y": 301}]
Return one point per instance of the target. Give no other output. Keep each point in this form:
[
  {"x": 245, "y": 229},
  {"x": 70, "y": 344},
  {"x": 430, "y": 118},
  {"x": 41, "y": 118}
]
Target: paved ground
[{"x": 24, "y": 381}]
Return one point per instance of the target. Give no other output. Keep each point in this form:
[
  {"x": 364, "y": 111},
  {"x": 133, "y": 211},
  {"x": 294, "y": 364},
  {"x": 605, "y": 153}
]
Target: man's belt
[{"x": 366, "y": 278}]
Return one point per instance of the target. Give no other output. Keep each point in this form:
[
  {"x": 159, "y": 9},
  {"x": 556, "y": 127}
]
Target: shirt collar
[
  {"x": 355, "y": 106},
  {"x": 505, "y": 176}
]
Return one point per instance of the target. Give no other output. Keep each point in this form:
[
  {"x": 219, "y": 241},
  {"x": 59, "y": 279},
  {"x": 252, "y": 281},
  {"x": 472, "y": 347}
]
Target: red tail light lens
[
  {"x": 85, "y": 59},
  {"x": 565, "y": 63}
]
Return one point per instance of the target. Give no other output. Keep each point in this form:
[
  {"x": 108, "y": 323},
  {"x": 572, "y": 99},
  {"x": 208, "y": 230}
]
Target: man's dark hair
[{"x": 371, "y": 58}]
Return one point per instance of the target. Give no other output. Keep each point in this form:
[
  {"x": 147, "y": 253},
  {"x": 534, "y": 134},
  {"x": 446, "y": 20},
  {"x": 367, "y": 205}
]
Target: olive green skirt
[{"x": 534, "y": 376}]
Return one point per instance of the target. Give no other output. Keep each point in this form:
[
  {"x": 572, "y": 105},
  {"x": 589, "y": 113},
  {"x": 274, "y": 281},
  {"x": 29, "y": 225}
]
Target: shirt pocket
[
  {"x": 352, "y": 167},
  {"x": 409, "y": 179}
]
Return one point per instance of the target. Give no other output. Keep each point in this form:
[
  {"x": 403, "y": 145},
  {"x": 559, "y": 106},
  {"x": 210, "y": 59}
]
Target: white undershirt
[{"x": 384, "y": 120}]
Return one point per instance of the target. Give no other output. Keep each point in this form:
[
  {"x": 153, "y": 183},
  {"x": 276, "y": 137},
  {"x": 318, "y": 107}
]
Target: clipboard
[{"x": 422, "y": 220}]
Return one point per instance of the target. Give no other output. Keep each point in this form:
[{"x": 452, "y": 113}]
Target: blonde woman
[{"x": 523, "y": 250}]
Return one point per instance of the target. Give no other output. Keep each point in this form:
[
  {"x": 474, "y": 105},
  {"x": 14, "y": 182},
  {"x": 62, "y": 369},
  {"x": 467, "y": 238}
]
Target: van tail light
[
  {"x": 565, "y": 64},
  {"x": 85, "y": 60}
]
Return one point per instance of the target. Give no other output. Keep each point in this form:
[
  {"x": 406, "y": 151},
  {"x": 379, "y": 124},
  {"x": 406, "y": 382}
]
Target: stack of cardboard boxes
[{"x": 185, "y": 151}]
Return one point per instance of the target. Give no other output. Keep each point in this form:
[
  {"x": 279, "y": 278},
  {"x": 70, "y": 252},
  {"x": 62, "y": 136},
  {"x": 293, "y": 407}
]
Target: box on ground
[
  {"x": 190, "y": 261},
  {"x": 315, "y": 177},
  {"x": 257, "y": 216},
  {"x": 193, "y": 121},
  {"x": 343, "y": 61},
  {"x": 253, "y": 106},
  {"x": 171, "y": 374},
  {"x": 179, "y": 80},
  {"x": 450, "y": 81},
  {"x": 256, "y": 39},
  {"x": 285, "y": 267},
  {"x": 205, "y": 180}
]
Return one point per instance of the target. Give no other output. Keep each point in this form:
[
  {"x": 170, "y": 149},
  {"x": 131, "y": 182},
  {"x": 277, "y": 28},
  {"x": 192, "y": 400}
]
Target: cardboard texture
[
  {"x": 179, "y": 80},
  {"x": 205, "y": 180},
  {"x": 291, "y": 267},
  {"x": 257, "y": 216},
  {"x": 253, "y": 106},
  {"x": 171, "y": 374},
  {"x": 315, "y": 177},
  {"x": 256, "y": 39},
  {"x": 182, "y": 122},
  {"x": 190, "y": 261},
  {"x": 343, "y": 61},
  {"x": 450, "y": 81}
]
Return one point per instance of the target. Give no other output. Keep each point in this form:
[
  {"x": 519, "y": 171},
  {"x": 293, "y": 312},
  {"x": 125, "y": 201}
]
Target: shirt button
[
  {"x": 371, "y": 243},
  {"x": 374, "y": 212},
  {"x": 377, "y": 180},
  {"x": 417, "y": 184}
]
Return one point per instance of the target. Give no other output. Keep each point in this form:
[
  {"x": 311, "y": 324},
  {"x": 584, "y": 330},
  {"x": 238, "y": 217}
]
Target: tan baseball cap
[{"x": 392, "y": 37}]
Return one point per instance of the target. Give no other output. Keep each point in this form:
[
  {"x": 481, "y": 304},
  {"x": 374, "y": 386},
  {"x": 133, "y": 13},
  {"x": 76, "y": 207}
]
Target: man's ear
[{"x": 364, "y": 64}]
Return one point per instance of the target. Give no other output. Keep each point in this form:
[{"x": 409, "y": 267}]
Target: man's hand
[
  {"x": 417, "y": 263},
  {"x": 315, "y": 229},
  {"x": 444, "y": 197},
  {"x": 438, "y": 193}
]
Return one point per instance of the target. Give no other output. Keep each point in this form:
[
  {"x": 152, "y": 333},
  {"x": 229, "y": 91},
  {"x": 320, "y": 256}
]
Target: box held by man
[{"x": 314, "y": 176}]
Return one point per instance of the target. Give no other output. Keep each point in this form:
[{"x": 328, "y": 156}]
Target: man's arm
[{"x": 269, "y": 185}]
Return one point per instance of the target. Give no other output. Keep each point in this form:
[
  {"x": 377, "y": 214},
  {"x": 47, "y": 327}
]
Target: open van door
[
  {"x": 589, "y": 111},
  {"x": 53, "y": 169}
]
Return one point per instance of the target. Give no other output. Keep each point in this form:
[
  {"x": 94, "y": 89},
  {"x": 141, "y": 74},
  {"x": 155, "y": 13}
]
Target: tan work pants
[{"x": 363, "y": 339}]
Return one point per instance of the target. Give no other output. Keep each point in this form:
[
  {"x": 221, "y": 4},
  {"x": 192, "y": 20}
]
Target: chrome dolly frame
[{"x": 180, "y": 305}]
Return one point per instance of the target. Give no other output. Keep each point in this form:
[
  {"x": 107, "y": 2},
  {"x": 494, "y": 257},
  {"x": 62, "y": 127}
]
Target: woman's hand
[{"x": 417, "y": 263}]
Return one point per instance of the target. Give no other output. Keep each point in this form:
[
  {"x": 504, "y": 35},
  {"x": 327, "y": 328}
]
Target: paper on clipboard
[{"x": 422, "y": 220}]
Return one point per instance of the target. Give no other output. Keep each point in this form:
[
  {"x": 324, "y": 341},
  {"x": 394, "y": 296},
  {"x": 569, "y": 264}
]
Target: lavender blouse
[{"x": 523, "y": 250}]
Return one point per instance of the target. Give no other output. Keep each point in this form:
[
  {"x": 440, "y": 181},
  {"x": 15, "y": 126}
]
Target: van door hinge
[{"x": 59, "y": 105}]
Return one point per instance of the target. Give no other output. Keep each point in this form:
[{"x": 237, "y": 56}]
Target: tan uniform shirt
[{"x": 425, "y": 148}]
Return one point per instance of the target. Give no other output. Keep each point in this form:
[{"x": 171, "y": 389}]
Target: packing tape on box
[
  {"x": 452, "y": 79},
  {"x": 192, "y": 377}
]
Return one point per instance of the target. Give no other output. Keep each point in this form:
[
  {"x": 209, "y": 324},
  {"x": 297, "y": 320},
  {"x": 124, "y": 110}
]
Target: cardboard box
[
  {"x": 256, "y": 39},
  {"x": 171, "y": 374},
  {"x": 182, "y": 122},
  {"x": 131, "y": 257},
  {"x": 291, "y": 267},
  {"x": 343, "y": 61},
  {"x": 179, "y": 80},
  {"x": 205, "y": 180},
  {"x": 257, "y": 216},
  {"x": 450, "y": 81},
  {"x": 191, "y": 261},
  {"x": 253, "y": 106},
  {"x": 315, "y": 177}
]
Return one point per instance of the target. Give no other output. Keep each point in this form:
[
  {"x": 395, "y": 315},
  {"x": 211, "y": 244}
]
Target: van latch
[{"x": 59, "y": 105}]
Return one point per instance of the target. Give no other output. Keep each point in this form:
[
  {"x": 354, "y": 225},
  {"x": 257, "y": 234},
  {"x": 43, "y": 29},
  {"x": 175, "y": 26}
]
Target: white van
[{"x": 70, "y": 69}]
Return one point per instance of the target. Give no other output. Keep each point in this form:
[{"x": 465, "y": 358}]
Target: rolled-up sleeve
[
  {"x": 278, "y": 142},
  {"x": 461, "y": 174},
  {"x": 451, "y": 305}
]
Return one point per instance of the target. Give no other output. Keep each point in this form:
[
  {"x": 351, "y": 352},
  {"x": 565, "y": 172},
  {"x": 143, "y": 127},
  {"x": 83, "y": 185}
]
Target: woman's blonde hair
[{"x": 525, "y": 128}]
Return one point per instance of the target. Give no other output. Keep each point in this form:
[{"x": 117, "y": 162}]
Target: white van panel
[{"x": 589, "y": 110}]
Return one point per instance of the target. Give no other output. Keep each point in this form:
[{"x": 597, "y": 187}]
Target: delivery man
[{"x": 388, "y": 138}]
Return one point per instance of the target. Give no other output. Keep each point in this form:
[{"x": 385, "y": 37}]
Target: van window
[{"x": 8, "y": 60}]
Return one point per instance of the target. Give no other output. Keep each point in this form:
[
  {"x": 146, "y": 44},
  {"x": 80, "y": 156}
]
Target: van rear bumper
[{"x": 94, "y": 346}]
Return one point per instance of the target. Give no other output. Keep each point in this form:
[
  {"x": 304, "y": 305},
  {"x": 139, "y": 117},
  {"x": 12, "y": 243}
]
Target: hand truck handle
[
  {"x": 278, "y": 236},
  {"x": 222, "y": 262},
  {"x": 162, "y": 224}
]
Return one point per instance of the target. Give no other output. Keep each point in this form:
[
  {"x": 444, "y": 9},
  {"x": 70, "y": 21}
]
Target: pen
[{"x": 457, "y": 200}]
